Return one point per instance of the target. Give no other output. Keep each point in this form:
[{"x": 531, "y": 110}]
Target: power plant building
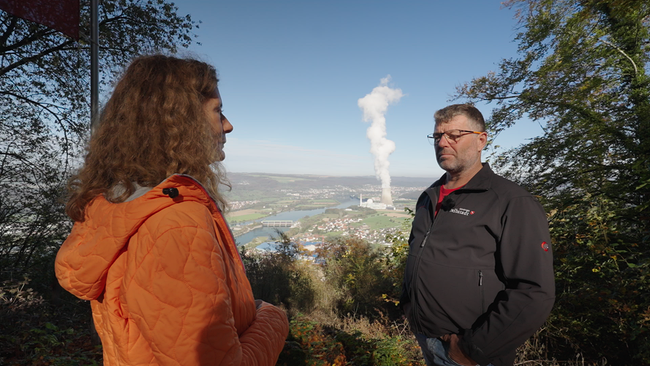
[{"x": 376, "y": 205}]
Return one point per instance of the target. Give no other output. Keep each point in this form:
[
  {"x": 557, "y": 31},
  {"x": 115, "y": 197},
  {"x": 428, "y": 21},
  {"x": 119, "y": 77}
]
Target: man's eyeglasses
[{"x": 451, "y": 135}]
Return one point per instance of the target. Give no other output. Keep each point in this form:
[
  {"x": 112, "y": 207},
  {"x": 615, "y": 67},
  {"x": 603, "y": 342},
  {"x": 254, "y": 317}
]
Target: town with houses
[
  {"x": 344, "y": 227},
  {"x": 342, "y": 207}
]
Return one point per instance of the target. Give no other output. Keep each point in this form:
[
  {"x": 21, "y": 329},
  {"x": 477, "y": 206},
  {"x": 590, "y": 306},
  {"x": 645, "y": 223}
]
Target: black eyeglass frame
[{"x": 436, "y": 136}]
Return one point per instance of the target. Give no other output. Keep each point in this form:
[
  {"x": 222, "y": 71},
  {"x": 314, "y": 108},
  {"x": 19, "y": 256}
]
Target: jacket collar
[{"x": 481, "y": 181}]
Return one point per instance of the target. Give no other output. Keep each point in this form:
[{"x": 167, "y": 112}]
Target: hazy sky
[{"x": 292, "y": 73}]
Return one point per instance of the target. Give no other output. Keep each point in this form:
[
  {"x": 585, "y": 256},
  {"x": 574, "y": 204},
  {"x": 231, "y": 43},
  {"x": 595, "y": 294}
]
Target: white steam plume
[{"x": 374, "y": 106}]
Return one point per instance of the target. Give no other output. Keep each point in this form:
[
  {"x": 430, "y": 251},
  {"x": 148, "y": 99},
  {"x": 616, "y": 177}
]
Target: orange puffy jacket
[{"x": 166, "y": 283}]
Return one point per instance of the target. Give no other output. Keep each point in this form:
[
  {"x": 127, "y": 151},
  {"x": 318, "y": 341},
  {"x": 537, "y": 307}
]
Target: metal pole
[{"x": 94, "y": 61}]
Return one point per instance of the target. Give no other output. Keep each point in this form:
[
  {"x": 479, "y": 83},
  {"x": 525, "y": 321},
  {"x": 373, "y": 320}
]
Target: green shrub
[
  {"x": 279, "y": 277},
  {"x": 603, "y": 287},
  {"x": 359, "y": 272},
  {"x": 37, "y": 332},
  {"x": 309, "y": 344}
]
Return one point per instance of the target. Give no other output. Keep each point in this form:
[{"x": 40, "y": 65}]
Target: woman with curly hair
[{"x": 150, "y": 247}]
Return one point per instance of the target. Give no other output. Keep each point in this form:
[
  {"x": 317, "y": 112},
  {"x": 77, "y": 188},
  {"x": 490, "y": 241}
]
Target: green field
[
  {"x": 285, "y": 202},
  {"x": 325, "y": 202},
  {"x": 249, "y": 217},
  {"x": 377, "y": 222},
  {"x": 309, "y": 206}
]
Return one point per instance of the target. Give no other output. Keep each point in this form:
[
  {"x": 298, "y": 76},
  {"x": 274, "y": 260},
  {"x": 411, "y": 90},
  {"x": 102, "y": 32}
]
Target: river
[{"x": 289, "y": 215}]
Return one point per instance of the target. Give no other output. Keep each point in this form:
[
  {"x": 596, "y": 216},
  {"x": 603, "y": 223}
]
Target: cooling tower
[{"x": 386, "y": 197}]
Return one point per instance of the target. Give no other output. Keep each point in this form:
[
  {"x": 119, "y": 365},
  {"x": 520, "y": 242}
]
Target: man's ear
[{"x": 482, "y": 140}]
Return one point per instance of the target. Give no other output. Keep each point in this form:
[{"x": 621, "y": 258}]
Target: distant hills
[
  {"x": 270, "y": 187},
  {"x": 319, "y": 181}
]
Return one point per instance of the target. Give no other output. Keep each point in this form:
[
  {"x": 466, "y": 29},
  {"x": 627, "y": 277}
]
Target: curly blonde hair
[{"x": 153, "y": 126}]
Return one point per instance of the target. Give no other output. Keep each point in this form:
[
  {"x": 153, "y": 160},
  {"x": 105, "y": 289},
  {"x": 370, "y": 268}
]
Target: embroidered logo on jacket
[
  {"x": 545, "y": 246},
  {"x": 462, "y": 211}
]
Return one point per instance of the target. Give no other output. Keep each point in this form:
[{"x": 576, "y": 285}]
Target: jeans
[{"x": 435, "y": 351}]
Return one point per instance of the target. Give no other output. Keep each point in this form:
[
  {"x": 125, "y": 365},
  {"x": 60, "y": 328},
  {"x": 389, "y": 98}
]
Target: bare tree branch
[
  {"x": 35, "y": 57},
  {"x": 636, "y": 70},
  {"x": 8, "y": 31}
]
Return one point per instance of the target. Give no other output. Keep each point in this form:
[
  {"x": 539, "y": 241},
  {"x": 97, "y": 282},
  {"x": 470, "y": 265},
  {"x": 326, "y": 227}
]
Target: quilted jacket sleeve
[
  {"x": 181, "y": 299},
  {"x": 257, "y": 346}
]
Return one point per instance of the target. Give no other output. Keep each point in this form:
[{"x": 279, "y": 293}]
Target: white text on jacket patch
[{"x": 461, "y": 211}]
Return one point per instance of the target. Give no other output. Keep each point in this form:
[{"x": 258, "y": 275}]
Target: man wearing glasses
[{"x": 479, "y": 276}]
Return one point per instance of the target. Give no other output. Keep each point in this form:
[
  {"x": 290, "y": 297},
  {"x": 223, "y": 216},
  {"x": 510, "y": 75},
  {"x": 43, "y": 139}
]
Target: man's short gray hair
[{"x": 472, "y": 113}]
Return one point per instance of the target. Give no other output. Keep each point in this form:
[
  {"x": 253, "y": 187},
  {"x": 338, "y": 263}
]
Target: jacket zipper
[
  {"x": 426, "y": 236},
  {"x": 414, "y": 306},
  {"x": 480, "y": 284}
]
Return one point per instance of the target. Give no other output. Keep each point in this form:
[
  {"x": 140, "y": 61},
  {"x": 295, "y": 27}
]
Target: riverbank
[{"x": 246, "y": 232}]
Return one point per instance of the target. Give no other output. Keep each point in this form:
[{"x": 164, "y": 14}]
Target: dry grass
[
  {"x": 535, "y": 352},
  {"x": 380, "y": 328}
]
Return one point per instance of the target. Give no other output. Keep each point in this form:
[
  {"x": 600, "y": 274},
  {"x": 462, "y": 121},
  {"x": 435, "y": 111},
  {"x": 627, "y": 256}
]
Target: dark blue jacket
[{"x": 483, "y": 268}]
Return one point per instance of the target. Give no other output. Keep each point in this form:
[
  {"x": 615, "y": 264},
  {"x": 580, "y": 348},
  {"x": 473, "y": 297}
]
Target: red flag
[{"x": 60, "y": 15}]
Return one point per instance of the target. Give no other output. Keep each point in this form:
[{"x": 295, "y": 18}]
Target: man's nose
[{"x": 443, "y": 142}]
